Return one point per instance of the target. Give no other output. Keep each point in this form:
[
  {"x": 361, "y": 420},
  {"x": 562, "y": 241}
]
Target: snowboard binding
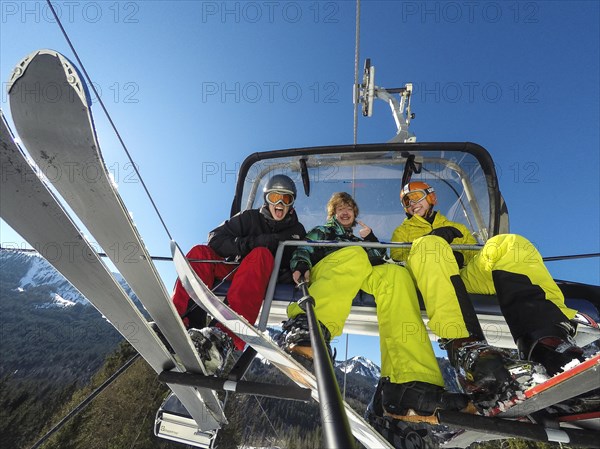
[{"x": 490, "y": 374}]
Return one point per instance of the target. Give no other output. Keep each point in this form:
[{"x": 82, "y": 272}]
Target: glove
[
  {"x": 460, "y": 259},
  {"x": 268, "y": 241},
  {"x": 302, "y": 267},
  {"x": 448, "y": 233}
]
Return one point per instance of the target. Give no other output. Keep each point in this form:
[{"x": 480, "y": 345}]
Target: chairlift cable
[
  {"x": 167, "y": 259},
  {"x": 571, "y": 256},
  {"x": 83, "y": 404},
  {"x": 266, "y": 416},
  {"x": 356, "y": 61},
  {"x": 114, "y": 127}
]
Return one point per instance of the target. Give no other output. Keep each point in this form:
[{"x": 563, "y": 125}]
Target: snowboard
[
  {"x": 51, "y": 109},
  {"x": 264, "y": 345},
  {"x": 29, "y": 207}
]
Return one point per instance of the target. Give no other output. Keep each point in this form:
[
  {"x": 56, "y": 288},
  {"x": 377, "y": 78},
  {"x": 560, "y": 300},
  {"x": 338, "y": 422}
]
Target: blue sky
[{"x": 196, "y": 86}]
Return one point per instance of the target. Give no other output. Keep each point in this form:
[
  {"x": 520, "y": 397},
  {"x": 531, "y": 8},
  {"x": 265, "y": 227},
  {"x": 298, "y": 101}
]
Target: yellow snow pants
[
  {"x": 431, "y": 263},
  {"x": 406, "y": 352}
]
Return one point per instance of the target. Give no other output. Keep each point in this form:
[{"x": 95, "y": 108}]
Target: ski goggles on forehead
[
  {"x": 274, "y": 198},
  {"x": 414, "y": 197}
]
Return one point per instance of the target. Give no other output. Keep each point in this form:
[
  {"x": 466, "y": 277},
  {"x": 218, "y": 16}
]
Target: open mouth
[{"x": 279, "y": 212}]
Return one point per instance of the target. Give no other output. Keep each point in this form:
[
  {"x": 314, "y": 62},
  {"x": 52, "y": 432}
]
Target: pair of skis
[
  {"x": 50, "y": 108},
  {"x": 58, "y": 132}
]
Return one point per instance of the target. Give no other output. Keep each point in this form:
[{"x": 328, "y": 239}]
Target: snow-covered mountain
[
  {"x": 30, "y": 270},
  {"x": 361, "y": 366},
  {"x": 358, "y": 365},
  {"x": 364, "y": 367},
  {"x": 41, "y": 273}
]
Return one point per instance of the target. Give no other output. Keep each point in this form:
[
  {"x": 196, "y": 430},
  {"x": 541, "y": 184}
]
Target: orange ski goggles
[
  {"x": 274, "y": 197},
  {"x": 414, "y": 197}
]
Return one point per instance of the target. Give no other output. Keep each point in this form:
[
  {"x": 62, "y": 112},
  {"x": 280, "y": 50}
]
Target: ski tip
[
  {"x": 22, "y": 65},
  {"x": 71, "y": 73}
]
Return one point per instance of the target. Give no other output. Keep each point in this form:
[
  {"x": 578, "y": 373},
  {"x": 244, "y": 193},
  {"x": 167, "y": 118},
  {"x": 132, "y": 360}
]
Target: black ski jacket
[{"x": 254, "y": 228}]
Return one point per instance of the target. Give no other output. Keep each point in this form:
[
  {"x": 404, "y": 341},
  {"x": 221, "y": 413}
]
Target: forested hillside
[{"x": 48, "y": 352}]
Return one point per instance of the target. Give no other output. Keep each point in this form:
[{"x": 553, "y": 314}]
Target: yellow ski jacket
[{"x": 414, "y": 227}]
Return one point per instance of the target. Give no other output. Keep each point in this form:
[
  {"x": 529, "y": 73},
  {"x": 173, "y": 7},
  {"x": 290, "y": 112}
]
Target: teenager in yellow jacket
[{"x": 508, "y": 266}]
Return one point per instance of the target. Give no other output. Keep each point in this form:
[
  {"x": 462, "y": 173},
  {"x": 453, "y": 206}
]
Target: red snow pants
[{"x": 248, "y": 283}]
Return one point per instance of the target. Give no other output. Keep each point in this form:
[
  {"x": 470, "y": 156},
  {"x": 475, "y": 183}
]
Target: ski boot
[
  {"x": 214, "y": 347},
  {"x": 399, "y": 433},
  {"x": 295, "y": 338},
  {"x": 418, "y": 401},
  {"x": 488, "y": 373},
  {"x": 553, "y": 347}
]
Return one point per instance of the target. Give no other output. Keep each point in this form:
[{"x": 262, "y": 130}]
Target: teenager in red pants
[{"x": 250, "y": 238}]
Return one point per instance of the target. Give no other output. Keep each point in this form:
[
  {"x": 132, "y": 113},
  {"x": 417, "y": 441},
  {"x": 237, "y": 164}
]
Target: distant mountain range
[{"x": 34, "y": 271}]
